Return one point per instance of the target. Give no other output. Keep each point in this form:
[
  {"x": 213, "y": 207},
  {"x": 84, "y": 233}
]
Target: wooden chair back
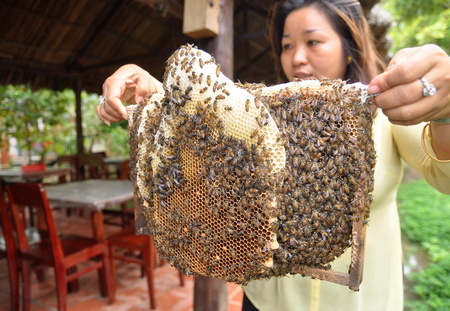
[
  {"x": 69, "y": 160},
  {"x": 33, "y": 197},
  {"x": 92, "y": 166},
  {"x": 64, "y": 254}
]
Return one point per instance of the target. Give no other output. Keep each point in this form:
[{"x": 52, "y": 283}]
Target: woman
[{"x": 330, "y": 38}]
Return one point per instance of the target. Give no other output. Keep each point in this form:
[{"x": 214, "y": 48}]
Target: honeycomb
[{"x": 243, "y": 181}]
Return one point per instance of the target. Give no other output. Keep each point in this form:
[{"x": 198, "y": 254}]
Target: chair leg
[
  {"x": 26, "y": 285},
  {"x": 149, "y": 271},
  {"x": 108, "y": 275},
  {"x": 14, "y": 283},
  {"x": 61, "y": 287},
  {"x": 181, "y": 277},
  {"x": 101, "y": 282},
  {"x": 113, "y": 268},
  {"x": 40, "y": 274},
  {"x": 14, "y": 287},
  {"x": 73, "y": 286}
]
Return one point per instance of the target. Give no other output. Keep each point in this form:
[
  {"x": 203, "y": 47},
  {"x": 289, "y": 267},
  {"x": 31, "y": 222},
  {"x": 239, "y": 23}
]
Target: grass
[{"x": 425, "y": 219}]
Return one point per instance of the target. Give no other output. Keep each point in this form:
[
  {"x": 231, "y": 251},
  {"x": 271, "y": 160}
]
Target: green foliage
[
  {"x": 418, "y": 22},
  {"x": 30, "y": 116},
  {"x": 112, "y": 139},
  {"x": 47, "y": 116},
  {"x": 425, "y": 215}
]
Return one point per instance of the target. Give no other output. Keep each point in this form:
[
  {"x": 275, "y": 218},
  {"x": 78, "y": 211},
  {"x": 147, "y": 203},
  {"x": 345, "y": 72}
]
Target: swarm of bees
[{"x": 243, "y": 181}]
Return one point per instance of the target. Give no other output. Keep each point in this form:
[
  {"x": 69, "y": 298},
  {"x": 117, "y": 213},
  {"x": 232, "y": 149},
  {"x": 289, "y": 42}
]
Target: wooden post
[
  {"x": 201, "y": 18},
  {"x": 79, "y": 121},
  {"x": 212, "y": 294},
  {"x": 221, "y": 46}
]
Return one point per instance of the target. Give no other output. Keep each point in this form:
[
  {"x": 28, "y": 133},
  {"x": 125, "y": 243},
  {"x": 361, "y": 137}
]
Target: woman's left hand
[{"x": 402, "y": 99}]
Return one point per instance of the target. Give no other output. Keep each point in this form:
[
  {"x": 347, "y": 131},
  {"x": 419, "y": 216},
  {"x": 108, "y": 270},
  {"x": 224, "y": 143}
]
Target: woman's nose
[{"x": 299, "y": 57}]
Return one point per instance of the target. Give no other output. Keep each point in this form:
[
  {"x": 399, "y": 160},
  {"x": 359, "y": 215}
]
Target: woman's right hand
[{"x": 129, "y": 84}]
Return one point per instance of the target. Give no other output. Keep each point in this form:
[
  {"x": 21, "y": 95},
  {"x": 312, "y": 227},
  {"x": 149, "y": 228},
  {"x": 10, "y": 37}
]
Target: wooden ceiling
[{"x": 54, "y": 43}]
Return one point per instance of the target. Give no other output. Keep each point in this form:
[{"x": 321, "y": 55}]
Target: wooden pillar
[
  {"x": 212, "y": 294},
  {"x": 79, "y": 119},
  {"x": 221, "y": 46}
]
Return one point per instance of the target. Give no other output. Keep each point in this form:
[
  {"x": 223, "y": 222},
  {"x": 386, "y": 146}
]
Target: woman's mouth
[{"x": 302, "y": 76}]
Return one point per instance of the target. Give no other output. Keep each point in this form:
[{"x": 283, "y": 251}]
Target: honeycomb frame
[{"x": 229, "y": 145}]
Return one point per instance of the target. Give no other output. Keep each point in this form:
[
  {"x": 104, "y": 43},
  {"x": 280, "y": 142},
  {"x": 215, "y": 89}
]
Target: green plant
[
  {"x": 425, "y": 215},
  {"x": 112, "y": 139},
  {"x": 418, "y": 22},
  {"x": 43, "y": 121},
  {"x": 30, "y": 116}
]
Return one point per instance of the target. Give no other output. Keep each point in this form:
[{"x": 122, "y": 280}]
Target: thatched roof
[{"x": 51, "y": 43}]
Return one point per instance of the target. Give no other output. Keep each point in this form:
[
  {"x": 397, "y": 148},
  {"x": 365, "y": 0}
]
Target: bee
[
  {"x": 247, "y": 105},
  {"x": 254, "y": 132},
  {"x": 218, "y": 71},
  {"x": 210, "y": 61},
  {"x": 215, "y": 86},
  {"x": 183, "y": 64},
  {"x": 188, "y": 91},
  {"x": 259, "y": 121},
  {"x": 207, "y": 100},
  {"x": 257, "y": 104},
  {"x": 208, "y": 80},
  {"x": 260, "y": 139}
]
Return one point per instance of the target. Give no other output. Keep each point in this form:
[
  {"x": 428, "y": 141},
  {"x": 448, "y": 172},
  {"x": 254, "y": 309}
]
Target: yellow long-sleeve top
[{"x": 382, "y": 285}]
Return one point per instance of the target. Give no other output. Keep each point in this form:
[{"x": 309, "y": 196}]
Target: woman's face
[{"x": 311, "y": 47}]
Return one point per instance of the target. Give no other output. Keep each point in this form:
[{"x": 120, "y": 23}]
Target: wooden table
[
  {"x": 17, "y": 175},
  {"x": 92, "y": 195}
]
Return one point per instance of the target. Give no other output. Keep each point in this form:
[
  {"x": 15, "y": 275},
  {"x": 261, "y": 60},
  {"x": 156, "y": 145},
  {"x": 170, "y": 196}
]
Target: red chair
[
  {"x": 63, "y": 253},
  {"x": 9, "y": 250},
  {"x": 143, "y": 245}
]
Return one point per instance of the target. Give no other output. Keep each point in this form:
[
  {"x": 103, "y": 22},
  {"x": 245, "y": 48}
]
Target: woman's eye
[
  {"x": 286, "y": 46},
  {"x": 313, "y": 42}
]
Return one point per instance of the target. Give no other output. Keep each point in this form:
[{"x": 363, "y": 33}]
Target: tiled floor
[{"x": 131, "y": 293}]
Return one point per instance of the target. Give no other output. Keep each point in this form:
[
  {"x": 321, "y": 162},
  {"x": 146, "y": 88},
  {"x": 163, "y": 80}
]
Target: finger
[
  {"x": 113, "y": 90},
  {"x": 144, "y": 88},
  {"x": 112, "y": 111},
  {"x": 420, "y": 111},
  {"x": 400, "y": 95},
  {"x": 406, "y": 67},
  {"x": 107, "y": 117},
  {"x": 101, "y": 116}
]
